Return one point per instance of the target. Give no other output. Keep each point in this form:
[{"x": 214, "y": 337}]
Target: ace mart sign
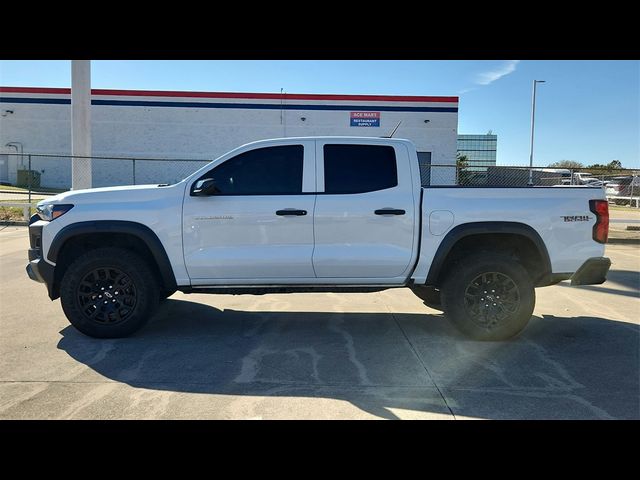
[{"x": 365, "y": 119}]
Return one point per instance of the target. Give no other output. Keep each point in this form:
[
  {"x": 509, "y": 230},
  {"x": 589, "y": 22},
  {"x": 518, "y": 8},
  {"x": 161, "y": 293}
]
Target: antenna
[
  {"x": 281, "y": 102},
  {"x": 283, "y": 119},
  {"x": 394, "y": 130}
]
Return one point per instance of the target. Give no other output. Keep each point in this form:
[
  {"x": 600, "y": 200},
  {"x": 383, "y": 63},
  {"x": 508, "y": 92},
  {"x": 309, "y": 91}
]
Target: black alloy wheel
[
  {"x": 491, "y": 298},
  {"x": 107, "y": 295}
]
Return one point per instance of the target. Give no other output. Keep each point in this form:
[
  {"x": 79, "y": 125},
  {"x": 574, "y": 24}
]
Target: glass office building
[{"x": 479, "y": 149}]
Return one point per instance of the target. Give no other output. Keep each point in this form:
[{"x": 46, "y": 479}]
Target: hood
[{"x": 131, "y": 193}]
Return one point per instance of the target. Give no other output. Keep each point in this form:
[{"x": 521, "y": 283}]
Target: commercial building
[
  {"x": 203, "y": 125},
  {"x": 480, "y": 150}
]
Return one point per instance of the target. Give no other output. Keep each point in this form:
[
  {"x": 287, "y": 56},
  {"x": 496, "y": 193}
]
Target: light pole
[
  {"x": 533, "y": 121},
  {"x": 80, "y": 124}
]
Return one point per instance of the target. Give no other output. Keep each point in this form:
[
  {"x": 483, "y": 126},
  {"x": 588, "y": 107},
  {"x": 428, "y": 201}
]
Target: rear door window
[{"x": 359, "y": 168}]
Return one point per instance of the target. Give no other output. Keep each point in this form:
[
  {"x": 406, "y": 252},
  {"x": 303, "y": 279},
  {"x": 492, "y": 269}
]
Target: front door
[
  {"x": 365, "y": 212},
  {"x": 257, "y": 226}
]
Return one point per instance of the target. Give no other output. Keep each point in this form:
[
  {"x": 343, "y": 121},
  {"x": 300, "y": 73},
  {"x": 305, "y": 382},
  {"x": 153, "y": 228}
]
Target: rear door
[{"x": 365, "y": 211}]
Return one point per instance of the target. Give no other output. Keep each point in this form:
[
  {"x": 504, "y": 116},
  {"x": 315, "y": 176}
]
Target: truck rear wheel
[
  {"x": 488, "y": 297},
  {"x": 108, "y": 293}
]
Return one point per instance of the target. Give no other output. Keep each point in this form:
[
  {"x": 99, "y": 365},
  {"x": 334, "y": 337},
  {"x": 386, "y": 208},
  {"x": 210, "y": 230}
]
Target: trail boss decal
[
  {"x": 576, "y": 218},
  {"x": 215, "y": 217}
]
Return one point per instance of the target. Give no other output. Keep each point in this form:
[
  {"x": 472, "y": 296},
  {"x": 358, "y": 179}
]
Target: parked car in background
[
  {"x": 623, "y": 187},
  {"x": 597, "y": 183},
  {"x": 583, "y": 178}
]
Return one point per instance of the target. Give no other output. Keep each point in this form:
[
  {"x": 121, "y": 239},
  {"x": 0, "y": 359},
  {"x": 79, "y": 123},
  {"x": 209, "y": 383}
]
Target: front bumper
[
  {"x": 33, "y": 270},
  {"x": 37, "y": 269},
  {"x": 592, "y": 272}
]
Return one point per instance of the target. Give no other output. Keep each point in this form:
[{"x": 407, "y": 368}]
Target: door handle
[
  {"x": 292, "y": 212},
  {"x": 390, "y": 211}
]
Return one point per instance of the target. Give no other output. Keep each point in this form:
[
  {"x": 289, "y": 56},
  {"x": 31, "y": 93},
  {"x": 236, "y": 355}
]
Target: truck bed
[{"x": 560, "y": 215}]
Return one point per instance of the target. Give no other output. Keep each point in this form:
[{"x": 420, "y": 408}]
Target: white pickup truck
[{"x": 316, "y": 214}]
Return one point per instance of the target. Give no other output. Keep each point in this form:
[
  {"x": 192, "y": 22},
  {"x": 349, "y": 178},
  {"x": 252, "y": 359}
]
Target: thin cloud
[
  {"x": 465, "y": 90},
  {"x": 485, "y": 78}
]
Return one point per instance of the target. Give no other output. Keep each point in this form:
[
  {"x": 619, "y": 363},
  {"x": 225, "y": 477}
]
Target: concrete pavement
[
  {"x": 619, "y": 219},
  {"x": 622, "y": 216},
  {"x": 374, "y": 355}
]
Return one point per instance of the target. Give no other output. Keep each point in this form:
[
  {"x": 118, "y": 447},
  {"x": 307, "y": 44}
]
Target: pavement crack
[
  {"x": 424, "y": 366},
  {"x": 335, "y": 326}
]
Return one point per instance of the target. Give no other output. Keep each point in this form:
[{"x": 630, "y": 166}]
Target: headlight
[{"x": 51, "y": 211}]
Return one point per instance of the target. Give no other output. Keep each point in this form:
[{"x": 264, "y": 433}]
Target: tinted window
[
  {"x": 359, "y": 168},
  {"x": 263, "y": 171}
]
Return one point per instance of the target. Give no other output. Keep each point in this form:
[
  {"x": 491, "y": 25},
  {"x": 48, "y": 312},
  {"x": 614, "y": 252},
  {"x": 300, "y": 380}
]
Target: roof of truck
[{"x": 334, "y": 137}]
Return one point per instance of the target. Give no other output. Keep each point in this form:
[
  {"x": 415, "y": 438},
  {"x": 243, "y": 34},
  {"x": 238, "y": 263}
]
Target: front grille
[{"x": 35, "y": 242}]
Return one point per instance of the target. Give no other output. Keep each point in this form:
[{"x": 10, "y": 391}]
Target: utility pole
[
  {"x": 80, "y": 124},
  {"x": 533, "y": 121}
]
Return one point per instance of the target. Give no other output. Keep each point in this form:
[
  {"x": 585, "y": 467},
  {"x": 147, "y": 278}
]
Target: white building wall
[{"x": 176, "y": 132}]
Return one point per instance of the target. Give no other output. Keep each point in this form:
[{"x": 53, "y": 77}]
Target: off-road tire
[
  {"x": 109, "y": 293},
  {"x": 483, "y": 310}
]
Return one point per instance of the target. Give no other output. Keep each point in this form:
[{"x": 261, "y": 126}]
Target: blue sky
[{"x": 588, "y": 111}]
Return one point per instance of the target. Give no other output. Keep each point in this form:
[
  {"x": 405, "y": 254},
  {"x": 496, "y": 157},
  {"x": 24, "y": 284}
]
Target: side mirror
[{"x": 204, "y": 187}]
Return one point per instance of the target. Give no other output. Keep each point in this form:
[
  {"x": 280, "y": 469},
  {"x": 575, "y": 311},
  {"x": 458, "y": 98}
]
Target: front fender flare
[{"x": 136, "y": 229}]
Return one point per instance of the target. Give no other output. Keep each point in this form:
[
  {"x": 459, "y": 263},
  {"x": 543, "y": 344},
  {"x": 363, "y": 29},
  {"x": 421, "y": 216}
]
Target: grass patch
[{"x": 11, "y": 213}]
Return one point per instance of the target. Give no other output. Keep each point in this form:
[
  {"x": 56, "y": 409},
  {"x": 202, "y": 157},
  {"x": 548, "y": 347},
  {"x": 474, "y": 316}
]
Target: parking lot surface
[{"x": 317, "y": 356}]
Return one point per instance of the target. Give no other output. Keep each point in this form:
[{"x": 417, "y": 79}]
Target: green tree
[
  {"x": 614, "y": 166},
  {"x": 566, "y": 164},
  {"x": 462, "y": 164}
]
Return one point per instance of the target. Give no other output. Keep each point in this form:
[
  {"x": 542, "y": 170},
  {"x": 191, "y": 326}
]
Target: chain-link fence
[
  {"x": 62, "y": 172},
  {"x": 621, "y": 186},
  {"x": 32, "y": 177},
  {"x": 35, "y": 176}
]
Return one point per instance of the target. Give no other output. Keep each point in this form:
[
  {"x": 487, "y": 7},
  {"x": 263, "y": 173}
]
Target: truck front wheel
[
  {"x": 108, "y": 293},
  {"x": 488, "y": 297}
]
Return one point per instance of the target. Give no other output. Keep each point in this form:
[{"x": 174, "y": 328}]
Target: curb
[
  {"x": 623, "y": 241},
  {"x": 12, "y": 223}
]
